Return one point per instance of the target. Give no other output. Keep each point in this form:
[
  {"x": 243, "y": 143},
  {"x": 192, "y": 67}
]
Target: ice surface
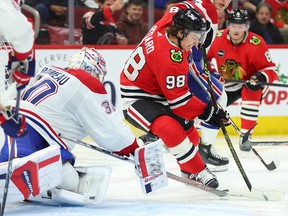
[{"x": 124, "y": 195}]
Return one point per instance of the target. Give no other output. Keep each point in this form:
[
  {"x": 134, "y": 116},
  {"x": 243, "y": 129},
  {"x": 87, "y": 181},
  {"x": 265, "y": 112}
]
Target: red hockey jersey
[
  {"x": 242, "y": 61},
  {"x": 157, "y": 70}
]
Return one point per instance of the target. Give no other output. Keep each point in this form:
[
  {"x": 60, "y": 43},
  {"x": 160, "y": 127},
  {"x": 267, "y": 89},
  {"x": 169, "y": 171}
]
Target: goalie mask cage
[{"x": 5, "y": 79}]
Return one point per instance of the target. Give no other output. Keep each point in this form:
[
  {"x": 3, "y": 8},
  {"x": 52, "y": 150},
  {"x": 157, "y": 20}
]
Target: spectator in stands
[
  {"x": 280, "y": 16},
  {"x": 221, "y": 19},
  {"x": 130, "y": 24},
  {"x": 262, "y": 26},
  {"x": 250, "y": 6},
  {"x": 99, "y": 25},
  {"x": 52, "y": 10}
]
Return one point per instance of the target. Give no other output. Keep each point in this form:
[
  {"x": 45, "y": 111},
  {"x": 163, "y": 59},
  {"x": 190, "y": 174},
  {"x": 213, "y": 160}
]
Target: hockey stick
[
  {"x": 271, "y": 166},
  {"x": 10, "y": 160},
  {"x": 247, "y": 142},
  {"x": 226, "y": 136},
  {"x": 255, "y": 194},
  {"x": 260, "y": 83}
]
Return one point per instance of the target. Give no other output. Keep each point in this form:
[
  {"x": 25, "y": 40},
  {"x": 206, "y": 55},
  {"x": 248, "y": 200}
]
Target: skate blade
[{"x": 214, "y": 168}]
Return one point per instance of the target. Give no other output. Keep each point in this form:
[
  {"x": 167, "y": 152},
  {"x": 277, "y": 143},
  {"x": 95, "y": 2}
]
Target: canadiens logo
[
  {"x": 176, "y": 56},
  {"x": 255, "y": 40}
]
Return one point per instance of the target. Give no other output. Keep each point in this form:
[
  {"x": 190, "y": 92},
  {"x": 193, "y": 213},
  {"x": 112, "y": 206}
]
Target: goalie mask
[{"x": 91, "y": 61}]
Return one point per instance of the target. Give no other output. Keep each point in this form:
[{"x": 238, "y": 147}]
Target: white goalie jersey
[{"x": 75, "y": 104}]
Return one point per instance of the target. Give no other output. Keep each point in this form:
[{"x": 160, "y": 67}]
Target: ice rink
[{"x": 125, "y": 198}]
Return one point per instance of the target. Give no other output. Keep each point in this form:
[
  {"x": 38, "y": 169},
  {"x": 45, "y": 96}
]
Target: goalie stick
[
  {"x": 10, "y": 160},
  {"x": 254, "y": 194}
]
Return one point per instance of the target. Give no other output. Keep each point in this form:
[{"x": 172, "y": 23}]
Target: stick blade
[
  {"x": 260, "y": 195},
  {"x": 273, "y": 165}
]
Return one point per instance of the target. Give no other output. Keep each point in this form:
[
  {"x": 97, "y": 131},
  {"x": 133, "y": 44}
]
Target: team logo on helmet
[
  {"x": 255, "y": 40},
  {"x": 176, "y": 56}
]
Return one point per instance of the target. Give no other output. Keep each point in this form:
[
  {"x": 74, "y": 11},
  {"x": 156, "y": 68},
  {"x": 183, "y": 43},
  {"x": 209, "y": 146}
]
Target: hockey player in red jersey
[
  {"x": 243, "y": 55},
  {"x": 156, "y": 97},
  {"x": 197, "y": 78}
]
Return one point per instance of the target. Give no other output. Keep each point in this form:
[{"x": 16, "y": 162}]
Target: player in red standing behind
[
  {"x": 243, "y": 55},
  {"x": 156, "y": 96}
]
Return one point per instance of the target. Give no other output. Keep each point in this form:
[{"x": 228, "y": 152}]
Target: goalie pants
[
  {"x": 178, "y": 134},
  {"x": 29, "y": 143}
]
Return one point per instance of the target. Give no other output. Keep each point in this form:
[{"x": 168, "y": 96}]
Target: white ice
[{"x": 124, "y": 195}]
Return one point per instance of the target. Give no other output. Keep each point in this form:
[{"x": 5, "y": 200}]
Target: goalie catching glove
[
  {"x": 12, "y": 127},
  {"x": 215, "y": 115}
]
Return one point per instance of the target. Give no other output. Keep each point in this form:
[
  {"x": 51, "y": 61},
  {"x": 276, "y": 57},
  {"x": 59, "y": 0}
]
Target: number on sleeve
[
  {"x": 268, "y": 57},
  {"x": 172, "y": 81}
]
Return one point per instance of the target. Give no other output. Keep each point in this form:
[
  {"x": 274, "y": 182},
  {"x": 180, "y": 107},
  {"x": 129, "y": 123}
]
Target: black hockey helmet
[
  {"x": 238, "y": 16},
  {"x": 191, "y": 20}
]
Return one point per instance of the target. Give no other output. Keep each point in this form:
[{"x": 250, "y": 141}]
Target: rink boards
[{"x": 273, "y": 111}]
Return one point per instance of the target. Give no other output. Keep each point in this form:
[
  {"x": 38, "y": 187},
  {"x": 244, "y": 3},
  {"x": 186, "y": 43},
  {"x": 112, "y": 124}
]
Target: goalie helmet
[{"x": 91, "y": 61}]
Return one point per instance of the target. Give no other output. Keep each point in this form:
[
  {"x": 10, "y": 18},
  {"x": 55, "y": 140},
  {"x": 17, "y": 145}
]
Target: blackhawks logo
[
  {"x": 176, "y": 56},
  {"x": 231, "y": 69},
  {"x": 255, "y": 40}
]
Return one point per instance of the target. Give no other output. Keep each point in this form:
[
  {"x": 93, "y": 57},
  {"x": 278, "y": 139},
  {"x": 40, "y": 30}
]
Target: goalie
[{"x": 73, "y": 102}]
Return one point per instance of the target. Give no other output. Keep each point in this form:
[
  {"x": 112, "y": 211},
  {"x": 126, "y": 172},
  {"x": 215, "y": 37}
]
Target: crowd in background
[{"x": 125, "y": 22}]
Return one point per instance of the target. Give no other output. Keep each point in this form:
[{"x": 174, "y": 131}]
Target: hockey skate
[
  {"x": 244, "y": 147},
  {"x": 214, "y": 161},
  {"x": 206, "y": 177}
]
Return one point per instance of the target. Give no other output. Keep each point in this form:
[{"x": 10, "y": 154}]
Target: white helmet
[{"x": 89, "y": 60}]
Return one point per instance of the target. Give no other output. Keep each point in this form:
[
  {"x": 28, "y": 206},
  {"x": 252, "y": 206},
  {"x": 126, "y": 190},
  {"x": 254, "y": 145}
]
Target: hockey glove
[
  {"x": 22, "y": 71},
  {"x": 12, "y": 127},
  {"x": 214, "y": 116},
  {"x": 253, "y": 83}
]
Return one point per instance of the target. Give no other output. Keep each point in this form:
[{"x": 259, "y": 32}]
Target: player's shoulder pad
[
  {"x": 88, "y": 80},
  {"x": 254, "y": 39},
  {"x": 219, "y": 33}
]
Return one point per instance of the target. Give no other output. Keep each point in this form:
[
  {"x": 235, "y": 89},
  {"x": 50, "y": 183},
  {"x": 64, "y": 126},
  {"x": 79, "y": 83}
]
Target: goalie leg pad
[
  {"x": 149, "y": 163},
  {"x": 93, "y": 184},
  {"x": 32, "y": 174},
  {"x": 70, "y": 178}
]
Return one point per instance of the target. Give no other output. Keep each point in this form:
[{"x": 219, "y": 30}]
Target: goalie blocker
[
  {"x": 42, "y": 175},
  {"x": 149, "y": 164}
]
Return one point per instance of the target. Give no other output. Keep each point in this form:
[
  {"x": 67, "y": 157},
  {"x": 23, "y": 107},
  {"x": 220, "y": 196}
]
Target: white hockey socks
[{"x": 149, "y": 163}]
